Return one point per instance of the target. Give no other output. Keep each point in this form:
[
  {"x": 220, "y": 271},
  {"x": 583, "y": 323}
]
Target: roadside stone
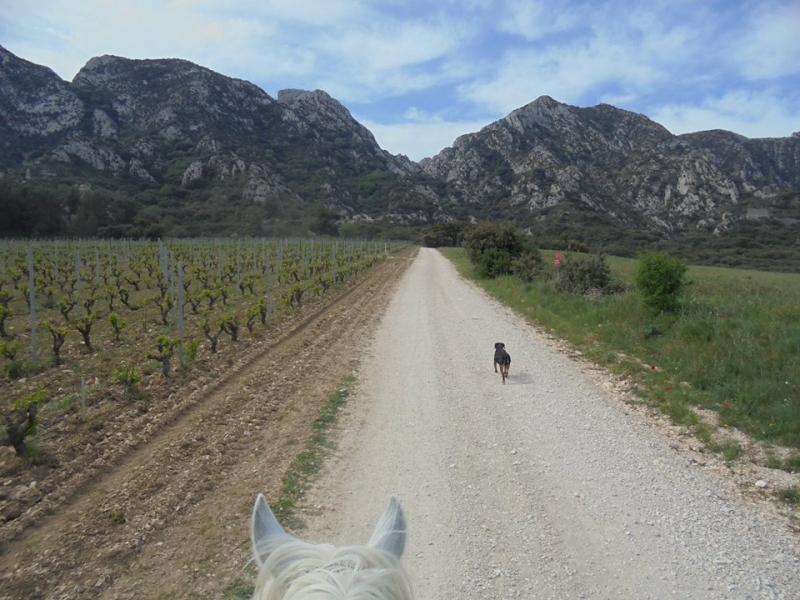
[{"x": 12, "y": 512}]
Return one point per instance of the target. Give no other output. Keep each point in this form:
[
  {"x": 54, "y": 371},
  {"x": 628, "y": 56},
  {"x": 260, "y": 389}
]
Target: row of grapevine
[{"x": 92, "y": 309}]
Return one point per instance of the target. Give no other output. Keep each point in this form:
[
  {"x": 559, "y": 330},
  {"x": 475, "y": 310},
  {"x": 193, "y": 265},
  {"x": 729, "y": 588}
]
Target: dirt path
[
  {"x": 170, "y": 518},
  {"x": 546, "y": 487}
]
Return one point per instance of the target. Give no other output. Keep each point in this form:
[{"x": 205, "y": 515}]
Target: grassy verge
[
  {"x": 306, "y": 465},
  {"x": 300, "y": 476},
  {"x": 733, "y": 351}
]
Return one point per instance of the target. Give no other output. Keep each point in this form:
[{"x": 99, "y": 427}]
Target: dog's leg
[{"x": 495, "y": 366}]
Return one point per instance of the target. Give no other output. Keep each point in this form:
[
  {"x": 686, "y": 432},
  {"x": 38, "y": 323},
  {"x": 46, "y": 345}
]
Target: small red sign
[{"x": 557, "y": 261}]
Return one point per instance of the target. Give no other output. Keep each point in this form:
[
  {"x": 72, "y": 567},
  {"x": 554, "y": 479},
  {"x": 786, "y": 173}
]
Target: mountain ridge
[{"x": 193, "y": 152}]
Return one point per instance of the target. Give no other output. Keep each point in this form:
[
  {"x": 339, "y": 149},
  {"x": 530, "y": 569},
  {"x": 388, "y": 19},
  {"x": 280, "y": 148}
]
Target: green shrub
[
  {"x": 5, "y": 313},
  {"x": 790, "y": 495},
  {"x": 117, "y": 324},
  {"x": 10, "y": 349},
  {"x": 165, "y": 347},
  {"x": 580, "y": 274},
  {"x": 494, "y": 263},
  {"x": 444, "y": 234},
  {"x": 528, "y": 266},
  {"x": 129, "y": 378},
  {"x": 190, "y": 351},
  {"x": 486, "y": 236},
  {"x": 13, "y": 369},
  {"x": 21, "y": 420},
  {"x": 660, "y": 281}
]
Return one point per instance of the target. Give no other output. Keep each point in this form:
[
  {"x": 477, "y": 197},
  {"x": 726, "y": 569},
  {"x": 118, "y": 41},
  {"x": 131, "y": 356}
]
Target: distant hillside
[
  {"x": 154, "y": 148},
  {"x": 609, "y": 176},
  {"x": 190, "y": 152}
]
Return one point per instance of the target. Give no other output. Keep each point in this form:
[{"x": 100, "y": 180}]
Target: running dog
[{"x": 501, "y": 358}]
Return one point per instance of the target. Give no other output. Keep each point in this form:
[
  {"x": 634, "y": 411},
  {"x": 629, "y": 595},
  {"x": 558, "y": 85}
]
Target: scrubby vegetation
[
  {"x": 500, "y": 249},
  {"x": 21, "y": 420},
  {"x": 660, "y": 280},
  {"x": 585, "y": 276}
]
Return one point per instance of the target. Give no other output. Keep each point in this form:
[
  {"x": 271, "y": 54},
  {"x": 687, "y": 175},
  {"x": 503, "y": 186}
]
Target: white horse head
[{"x": 294, "y": 569}]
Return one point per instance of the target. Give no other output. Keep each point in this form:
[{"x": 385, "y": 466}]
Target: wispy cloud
[
  {"x": 747, "y": 113},
  {"x": 770, "y": 47},
  {"x": 533, "y": 20},
  {"x": 422, "y": 73},
  {"x": 426, "y": 134}
]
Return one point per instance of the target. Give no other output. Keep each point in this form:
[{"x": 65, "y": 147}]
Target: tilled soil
[{"x": 159, "y": 508}]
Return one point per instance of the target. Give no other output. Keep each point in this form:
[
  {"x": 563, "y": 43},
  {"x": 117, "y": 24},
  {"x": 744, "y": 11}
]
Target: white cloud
[
  {"x": 420, "y": 137},
  {"x": 389, "y": 45},
  {"x": 566, "y": 73},
  {"x": 748, "y": 114},
  {"x": 676, "y": 60},
  {"x": 535, "y": 19},
  {"x": 771, "y": 46},
  {"x": 146, "y": 29}
]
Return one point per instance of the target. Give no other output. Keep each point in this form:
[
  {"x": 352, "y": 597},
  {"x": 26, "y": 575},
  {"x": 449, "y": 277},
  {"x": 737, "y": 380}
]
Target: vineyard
[{"x": 91, "y": 330}]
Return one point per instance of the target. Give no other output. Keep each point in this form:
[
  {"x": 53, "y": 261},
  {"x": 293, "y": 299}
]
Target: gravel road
[{"x": 546, "y": 487}]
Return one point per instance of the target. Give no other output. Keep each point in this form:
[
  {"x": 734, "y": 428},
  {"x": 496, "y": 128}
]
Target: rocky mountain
[
  {"x": 167, "y": 147},
  {"x": 198, "y": 152},
  {"x": 547, "y": 160}
]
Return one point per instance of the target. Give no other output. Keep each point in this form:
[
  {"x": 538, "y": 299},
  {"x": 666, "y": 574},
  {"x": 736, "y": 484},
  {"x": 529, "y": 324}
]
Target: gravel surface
[{"x": 546, "y": 487}]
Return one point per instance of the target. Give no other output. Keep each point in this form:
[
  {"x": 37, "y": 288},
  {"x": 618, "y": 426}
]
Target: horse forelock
[{"x": 300, "y": 570}]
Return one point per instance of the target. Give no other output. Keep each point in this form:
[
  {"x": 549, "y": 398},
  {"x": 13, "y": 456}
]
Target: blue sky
[{"x": 420, "y": 73}]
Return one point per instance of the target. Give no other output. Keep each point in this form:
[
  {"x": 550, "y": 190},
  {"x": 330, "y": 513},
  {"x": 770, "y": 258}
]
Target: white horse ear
[
  {"x": 265, "y": 532},
  {"x": 390, "y": 532}
]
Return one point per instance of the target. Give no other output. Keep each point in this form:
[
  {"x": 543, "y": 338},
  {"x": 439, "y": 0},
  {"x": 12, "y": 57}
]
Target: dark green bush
[
  {"x": 660, "y": 280},
  {"x": 485, "y": 236},
  {"x": 21, "y": 420},
  {"x": 444, "y": 234},
  {"x": 580, "y": 274},
  {"x": 494, "y": 263},
  {"x": 528, "y": 266}
]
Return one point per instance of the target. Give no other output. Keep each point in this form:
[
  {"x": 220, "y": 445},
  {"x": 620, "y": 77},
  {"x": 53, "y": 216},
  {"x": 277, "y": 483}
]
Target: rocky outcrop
[
  {"x": 175, "y": 125},
  {"x": 616, "y": 162},
  {"x": 34, "y": 101},
  {"x": 318, "y": 112}
]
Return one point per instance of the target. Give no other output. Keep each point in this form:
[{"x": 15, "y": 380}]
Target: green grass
[
  {"x": 790, "y": 495},
  {"x": 307, "y": 464},
  {"x": 238, "y": 590},
  {"x": 733, "y": 349}
]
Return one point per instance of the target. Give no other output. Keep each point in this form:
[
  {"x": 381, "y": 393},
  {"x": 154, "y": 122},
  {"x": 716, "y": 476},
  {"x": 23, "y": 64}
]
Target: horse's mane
[
  {"x": 291, "y": 568},
  {"x": 302, "y": 570}
]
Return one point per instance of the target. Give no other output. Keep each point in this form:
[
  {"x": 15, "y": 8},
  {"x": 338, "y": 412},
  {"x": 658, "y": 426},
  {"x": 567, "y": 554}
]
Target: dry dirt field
[{"x": 548, "y": 487}]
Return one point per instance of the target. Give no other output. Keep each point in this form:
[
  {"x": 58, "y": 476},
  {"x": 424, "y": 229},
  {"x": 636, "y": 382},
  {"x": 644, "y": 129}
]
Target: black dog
[{"x": 502, "y": 358}]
